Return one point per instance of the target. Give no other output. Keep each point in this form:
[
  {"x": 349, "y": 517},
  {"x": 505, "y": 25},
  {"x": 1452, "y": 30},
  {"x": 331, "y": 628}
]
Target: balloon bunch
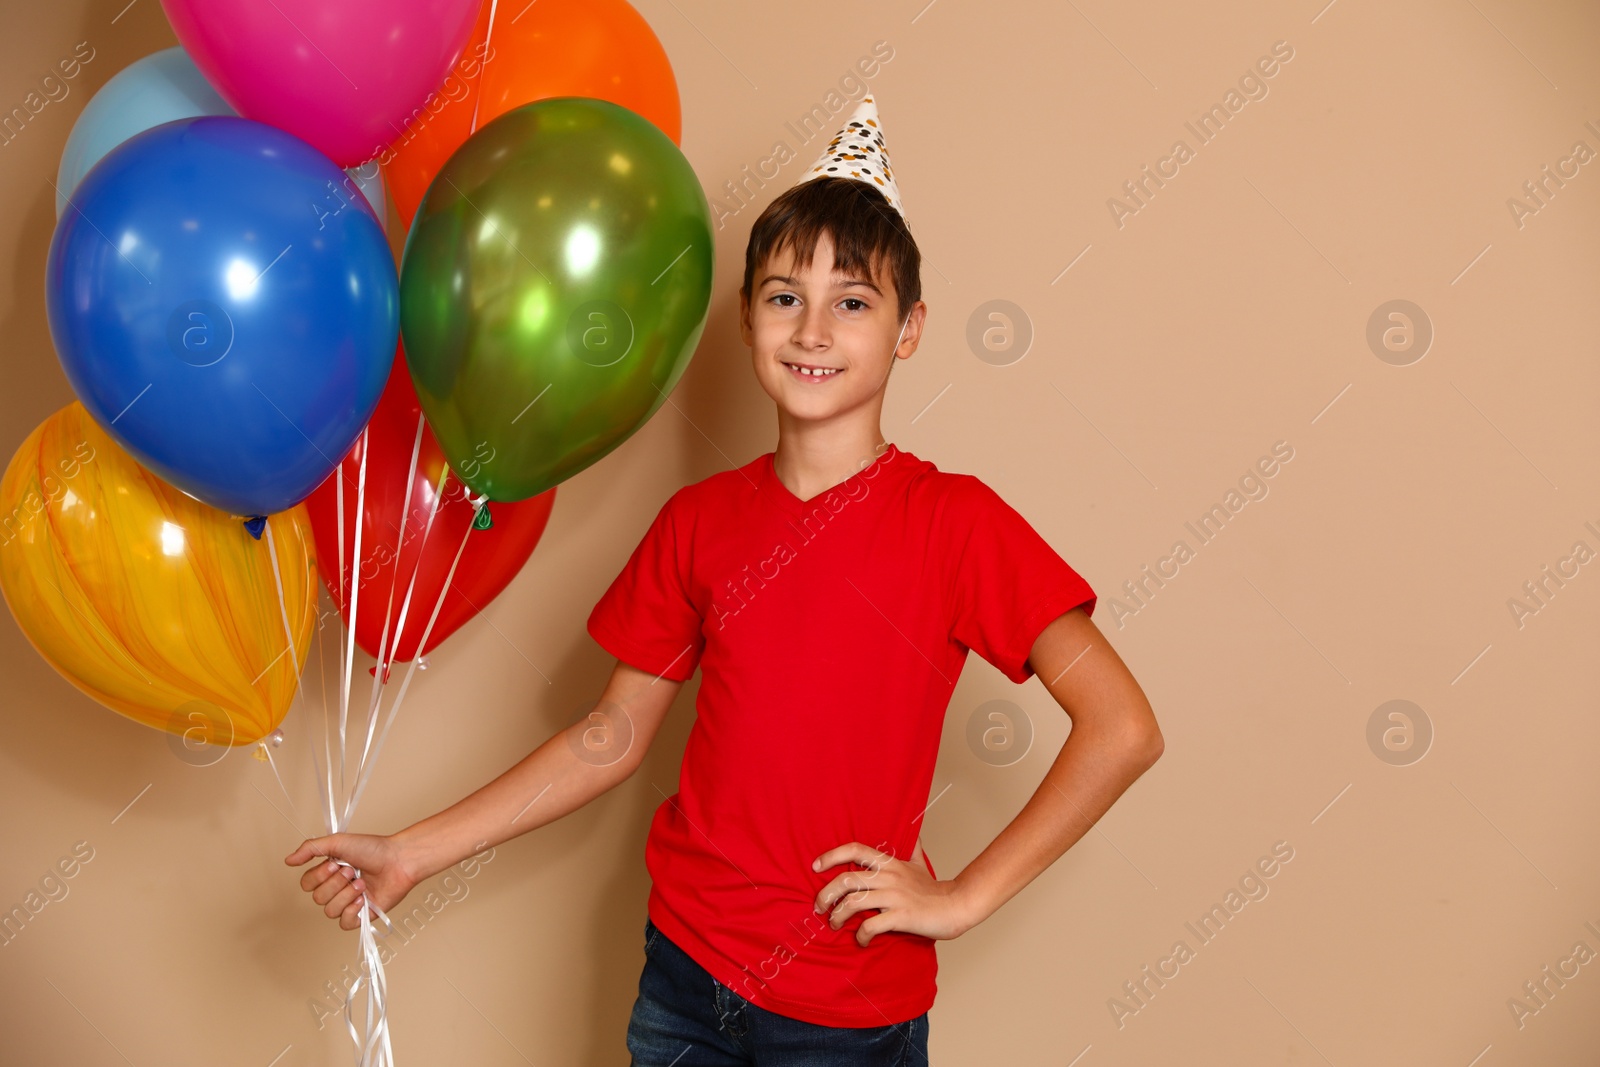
[{"x": 225, "y": 304}]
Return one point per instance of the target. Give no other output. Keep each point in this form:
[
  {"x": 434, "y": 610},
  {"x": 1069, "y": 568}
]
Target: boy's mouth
[{"x": 812, "y": 373}]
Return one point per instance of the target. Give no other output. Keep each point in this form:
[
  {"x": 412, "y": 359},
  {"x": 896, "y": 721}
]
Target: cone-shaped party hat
[{"x": 857, "y": 152}]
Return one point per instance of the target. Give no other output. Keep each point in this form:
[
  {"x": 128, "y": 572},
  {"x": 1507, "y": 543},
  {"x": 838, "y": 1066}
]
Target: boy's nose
[{"x": 813, "y": 329}]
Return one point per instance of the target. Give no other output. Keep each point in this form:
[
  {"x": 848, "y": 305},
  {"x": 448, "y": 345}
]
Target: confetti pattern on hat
[{"x": 857, "y": 151}]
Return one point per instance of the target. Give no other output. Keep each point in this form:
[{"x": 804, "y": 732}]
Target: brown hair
[{"x": 865, "y": 230}]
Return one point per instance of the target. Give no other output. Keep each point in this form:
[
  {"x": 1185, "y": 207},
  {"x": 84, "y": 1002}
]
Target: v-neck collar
[{"x": 774, "y": 489}]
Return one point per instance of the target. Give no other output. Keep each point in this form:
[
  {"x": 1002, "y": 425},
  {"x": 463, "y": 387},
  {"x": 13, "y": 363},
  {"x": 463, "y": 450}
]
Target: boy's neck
[{"x": 813, "y": 460}]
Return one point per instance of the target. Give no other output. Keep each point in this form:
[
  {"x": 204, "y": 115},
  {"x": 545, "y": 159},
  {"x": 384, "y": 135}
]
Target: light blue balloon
[
  {"x": 161, "y": 87},
  {"x": 372, "y": 189}
]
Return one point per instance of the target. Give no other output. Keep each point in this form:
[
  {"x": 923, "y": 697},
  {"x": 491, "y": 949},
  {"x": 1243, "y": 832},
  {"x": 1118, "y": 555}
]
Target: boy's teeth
[{"x": 819, "y": 373}]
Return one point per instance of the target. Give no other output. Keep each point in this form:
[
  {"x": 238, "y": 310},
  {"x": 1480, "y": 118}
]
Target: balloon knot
[
  {"x": 255, "y": 524},
  {"x": 482, "y": 520}
]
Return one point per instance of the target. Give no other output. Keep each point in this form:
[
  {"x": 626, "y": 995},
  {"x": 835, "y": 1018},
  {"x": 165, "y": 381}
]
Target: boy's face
[{"x": 814, "y": 318}]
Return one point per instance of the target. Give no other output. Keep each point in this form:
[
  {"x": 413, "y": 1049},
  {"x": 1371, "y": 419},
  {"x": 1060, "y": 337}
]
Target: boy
[{"x": 829, "y": 591}]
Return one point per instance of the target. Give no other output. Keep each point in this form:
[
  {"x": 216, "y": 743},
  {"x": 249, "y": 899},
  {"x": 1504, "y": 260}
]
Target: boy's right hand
[{"x": 384, "y": 875}]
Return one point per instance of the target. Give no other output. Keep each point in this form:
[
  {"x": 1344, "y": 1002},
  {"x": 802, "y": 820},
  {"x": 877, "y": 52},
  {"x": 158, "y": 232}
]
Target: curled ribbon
[{"x": 375, "y": 1050}]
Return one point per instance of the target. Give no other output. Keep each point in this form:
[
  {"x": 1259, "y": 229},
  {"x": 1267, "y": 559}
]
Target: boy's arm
[
  {"x": 573, "y": 767},
  {"x": 566, "y": 772},
  {"x": 1114, "y": 740}
]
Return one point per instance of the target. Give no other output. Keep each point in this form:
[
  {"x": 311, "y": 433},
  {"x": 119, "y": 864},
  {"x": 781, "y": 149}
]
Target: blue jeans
[{"x": 686, "y": 1018}]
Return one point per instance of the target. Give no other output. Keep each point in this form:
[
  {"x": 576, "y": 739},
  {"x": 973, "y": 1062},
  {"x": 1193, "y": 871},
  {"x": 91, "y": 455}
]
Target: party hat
[{"x": 857, "y": 151}]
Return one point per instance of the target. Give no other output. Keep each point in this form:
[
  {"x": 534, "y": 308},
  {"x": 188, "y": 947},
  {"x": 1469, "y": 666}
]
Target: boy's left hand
[{"x": 904, "y": 894}]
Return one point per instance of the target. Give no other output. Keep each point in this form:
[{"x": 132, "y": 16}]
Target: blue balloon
[
  {"x": 225, "y": 305},
  {"x": 161, "y": 87}
]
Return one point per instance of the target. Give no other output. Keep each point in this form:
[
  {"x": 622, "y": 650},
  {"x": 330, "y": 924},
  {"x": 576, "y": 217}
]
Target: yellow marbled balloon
[{"x": 156, "y": 605}]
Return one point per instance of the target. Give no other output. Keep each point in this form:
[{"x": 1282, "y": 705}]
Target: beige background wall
[{"x": 1170, "y": 352}]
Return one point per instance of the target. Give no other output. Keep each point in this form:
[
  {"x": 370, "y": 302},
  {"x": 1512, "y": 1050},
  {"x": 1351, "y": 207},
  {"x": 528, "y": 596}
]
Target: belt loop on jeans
[{"x": 730, "y": 1010}]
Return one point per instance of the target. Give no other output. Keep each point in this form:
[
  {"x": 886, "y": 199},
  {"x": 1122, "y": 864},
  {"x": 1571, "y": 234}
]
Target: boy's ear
[
  {"x": 745, "y": 332},
  {"x": 916, "y": 318}
]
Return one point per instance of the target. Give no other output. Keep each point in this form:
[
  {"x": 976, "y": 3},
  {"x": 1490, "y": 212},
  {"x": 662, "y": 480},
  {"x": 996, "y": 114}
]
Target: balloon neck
[
  {"x": 482, "y": 519},
  {"x": 255, "y": 524}
]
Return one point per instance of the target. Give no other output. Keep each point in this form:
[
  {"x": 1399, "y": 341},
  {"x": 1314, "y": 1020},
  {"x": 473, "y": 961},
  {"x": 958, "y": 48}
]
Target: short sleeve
[
  {"x": 646, "y": 618},
  {"x": 1008, "y": 584}
]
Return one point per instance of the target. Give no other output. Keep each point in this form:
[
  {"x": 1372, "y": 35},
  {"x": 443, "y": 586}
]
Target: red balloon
[{"x": 392, "y": 545}]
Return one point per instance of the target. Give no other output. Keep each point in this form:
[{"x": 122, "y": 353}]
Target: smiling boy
[{"x": 829, "y": 592}]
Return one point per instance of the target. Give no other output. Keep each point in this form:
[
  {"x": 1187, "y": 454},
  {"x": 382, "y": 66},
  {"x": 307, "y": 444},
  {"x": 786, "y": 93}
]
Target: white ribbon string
[
  {"x": 355, "y": 598},
  {"x": 283, "y": 610},
  {"x": 368, "y": 1051},
  {"x": 372, "y": 976},
  {"x": 294, "y": 657},
  {"x": 266, "y": 748},
  {"x": 381, "y": 670},
  {"x": 372, "y": 1041},
  {"x": 411, "y": 669},
  {"x": 375, "y": 1048},
  {"x": 379, "y": 676},
  {"x": 325, "y": 785}
]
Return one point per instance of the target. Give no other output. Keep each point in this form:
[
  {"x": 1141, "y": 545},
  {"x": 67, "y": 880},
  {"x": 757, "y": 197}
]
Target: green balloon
[{"x": 553, "y": 287}]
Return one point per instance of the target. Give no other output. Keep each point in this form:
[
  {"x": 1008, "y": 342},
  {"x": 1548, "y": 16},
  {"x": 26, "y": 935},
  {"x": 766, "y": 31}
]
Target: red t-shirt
[{"x": 830, "y": 633}]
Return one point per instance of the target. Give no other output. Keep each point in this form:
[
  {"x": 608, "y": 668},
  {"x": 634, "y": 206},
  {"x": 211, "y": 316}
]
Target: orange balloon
[
  {"x": 156, "y": 605},
  {"x": 597, "y": 48}
]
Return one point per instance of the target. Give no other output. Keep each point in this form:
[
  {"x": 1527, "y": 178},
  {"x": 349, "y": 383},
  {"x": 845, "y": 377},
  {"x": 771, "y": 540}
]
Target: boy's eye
[
  {"x": 784, "y": 296},
  {"x": 854, "y": 300}
]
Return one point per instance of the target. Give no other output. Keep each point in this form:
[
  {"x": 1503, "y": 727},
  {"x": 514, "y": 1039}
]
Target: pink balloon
[{"x": 345, "y": 75}]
